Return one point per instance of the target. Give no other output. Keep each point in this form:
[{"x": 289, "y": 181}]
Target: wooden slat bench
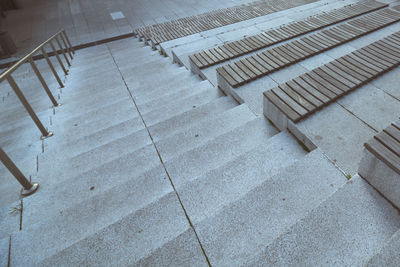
[
  {"x": 286, "y": 32},
  {"x": 193, "y": 24},
  {"x": 386, "y": 146},
  {"x": 302, "y": 96},
  {"x": 380, "y": 164},
  {"x": 256, "y": 66}
]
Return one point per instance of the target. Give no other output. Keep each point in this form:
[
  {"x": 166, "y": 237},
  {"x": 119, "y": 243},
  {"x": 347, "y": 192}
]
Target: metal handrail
[
  {"x": 7, "y": 75},
  {"x": 61, "y": 39}
]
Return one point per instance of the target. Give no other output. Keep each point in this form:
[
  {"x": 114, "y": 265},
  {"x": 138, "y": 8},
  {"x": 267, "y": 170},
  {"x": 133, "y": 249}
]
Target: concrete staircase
[{"x": 150, "y": 165}]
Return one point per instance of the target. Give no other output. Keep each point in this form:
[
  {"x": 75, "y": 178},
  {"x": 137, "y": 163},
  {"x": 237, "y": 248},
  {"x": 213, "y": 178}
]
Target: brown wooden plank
[
  {"x": 218, "y": 56},
  {"x": 226, "y": 51},
  {"x": 271, "y": 59},
  {"x": 390, "y": 49},
  {"x": 371, "y": 59},
  {"x": 264, "y": 61},
  {"x": 389, "y": 142},
  {"x": 246, "y": 70},
  {"x": 308, "y": 41},
  {"x": 284, "y": 53},
  {"x": 333, "y": 41},
  {"x": 334, "y": 35},
  {"x": 343, "y": 32},
  {"x": 326, "y": 39},
  {"x": 304, "y": 94},
  {"x": 241, "y": 73},
  {"x": 327, "y": 88},
  {"x": 312, "y": 88},
  {"x": 379, "y": 53},
  {"x": 312, "y": 50},
  {"x": 276, "y": 36},
  {"x": 220, "y": 52},
  {"x": 300, "y": 100},
  {"x": 394, "y": 132},
  {"x": 341, "y": 76},
  {"x": 359, "y": 66},
  {"x": 350, "y": 72},
  {"x": 277, "y": 56},
  {"x": 317, "y": 41},
  {"x": 332, "y": 78},
  {"x": 201, "y": 59},
  {"x": 206, "y": 57},
  {"x": 251, "y": 64},
  {"x": 232, "y": 51},
  {"x": 226, "y": 76},
  {"x": 242, "y": 50},
  {"x": 239, "y": 80},
  {"x": 197, "y": 62},
  {"x": 292, "y": 51},
  {"x": 382, "y": 153},
  {"x": 268, "y": 36},
  {"x": 300, "y": 50},
  {"x": 290, "y": 102},
  {"x": 282, "y": 106}
]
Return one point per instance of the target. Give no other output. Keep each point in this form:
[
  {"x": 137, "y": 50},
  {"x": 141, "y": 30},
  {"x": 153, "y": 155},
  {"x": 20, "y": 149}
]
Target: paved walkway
[{"x": 88, "y": 21}]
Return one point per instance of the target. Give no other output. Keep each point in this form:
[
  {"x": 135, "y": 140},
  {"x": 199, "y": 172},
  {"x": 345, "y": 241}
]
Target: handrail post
[
  {"x": 69, "y": 42},
  {"x": 43, "y": 82},
  {"x": 58, "y": 58},
  {"x": 28, "y": 107},
  {"x": 28, "y": 187},
  {"x": 66, "y": 45},
  {"x": 52, "y": 67},
  {"x": 62, "y": 51}
]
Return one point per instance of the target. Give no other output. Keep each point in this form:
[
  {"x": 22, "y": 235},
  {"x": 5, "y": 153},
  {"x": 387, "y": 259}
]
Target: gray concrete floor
[{"x": 88, "y": 21}]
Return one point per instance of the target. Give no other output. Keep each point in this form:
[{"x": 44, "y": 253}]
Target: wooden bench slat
[
  {"x": 369, "y": 59},
  {"x": 340, "y": 75},
  {"x": 333, "y": 84},
  {"x": 263, "y": 60},
  {"x": 289, "y": 101},
  {"x": 389, "y": 142},
  {"x": 311, "y": 87},
  {"x": 234, "y": 75},
  {"x": 394, "y": 132},
  {"x": 245, "y": 69},
  {"x": 299, "y": 99},
  {"x": 382, "y": 153},
  {"x": 304, "y": 93},
  {"x": 226, "y": 76},
  {"x": 342, "y": 65},
  {"x": 253, "y": 65},
  {"x": 359, "y": 69},
  {"x": 359, "y": 62},
  {"x": 282, "y": 106}
]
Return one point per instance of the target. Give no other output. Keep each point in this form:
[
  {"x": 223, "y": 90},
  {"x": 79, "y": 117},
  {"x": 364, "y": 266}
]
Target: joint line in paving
[{"x": 161, "y": 160}]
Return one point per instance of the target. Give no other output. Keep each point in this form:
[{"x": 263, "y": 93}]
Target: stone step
[
  {"x": 355, "y": 214},
  {"x": 72, "y": 145},
  {"x": 388, "y": 255},
  {"x": 185, "y": 120},
  {"x": 208, "y": 194},
  {"x": 149, "y": 93},
  {"x": 187, "y": 90},
  {"x": 153, "y": 234},
  {"x": 218, "y": 151},
  {"x": 9, "y": 219},
  {"x": 260, "y": 215},
  {"x": 59, "y": 164},
  {"x": 204, "y": 131},
  {"x": 205, "y": 93},
  {"x": 72, "y": 189},
  {"x": 4, "y": 246}
]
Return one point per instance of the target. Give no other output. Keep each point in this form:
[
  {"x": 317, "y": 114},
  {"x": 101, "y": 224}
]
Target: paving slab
[
  {"x": 373, "y": 106},
  {"x": 389, "y": 82},
  {"x": 203, "y": 132},
  {"x": 185, "y": 120},
  {"x": 245, "y": 227},
  {"x": 4, "y": 248},
  {"x": 208, "y": 194},
  {"x": 339, "y": 134},
  {"x": 10, "y": 219},
  {"x": 388, "y": 255},
  {"x": 85, "y": 218},
  {"x": 217, "y": 152},
  {"x": 130, "y": 239},
  {"x": 366, "y": 219}
]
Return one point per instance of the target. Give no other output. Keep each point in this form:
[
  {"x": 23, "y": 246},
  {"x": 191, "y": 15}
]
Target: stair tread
[
  {"x": 355, "y": 214},
  {"x": 268, "y": 210},
  {"x": 388, "y": 255},
  {"x": 185, "y": 120},
  {"x": 203, "y": 131},
  {"x": 222, "y": 149}
]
